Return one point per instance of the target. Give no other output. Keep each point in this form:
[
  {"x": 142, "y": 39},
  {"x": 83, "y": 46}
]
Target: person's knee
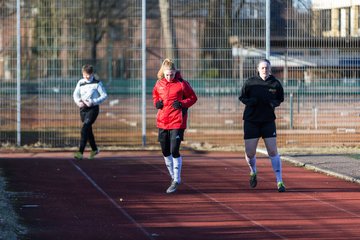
[
  {"x": 165, "y": 148},
  {"x": 175, "y": 152},
  {"x": 250, "y": 152},
  {"x": 175, "y": 148},
  {"x": 86, "y": 126},
  {"x": 166, "y": 153},
  {"x": 272, "y": 152},
  {"x": 87, "y": 122},
  {"x": 250, "y": 155}
]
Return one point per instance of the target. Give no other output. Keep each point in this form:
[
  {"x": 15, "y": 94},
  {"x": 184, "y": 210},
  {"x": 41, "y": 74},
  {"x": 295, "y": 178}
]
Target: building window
[
  {"x": 344, "y": 22},
  {"x": 325, "y": 19},
  {"x": 358, "y": 17}
]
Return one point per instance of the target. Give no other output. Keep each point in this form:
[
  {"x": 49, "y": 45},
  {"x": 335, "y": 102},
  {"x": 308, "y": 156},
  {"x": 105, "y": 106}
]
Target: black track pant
[{"x": 88, "y": 117}]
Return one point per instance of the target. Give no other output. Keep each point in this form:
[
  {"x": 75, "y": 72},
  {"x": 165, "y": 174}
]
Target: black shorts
[
  {"x": 170, "y": 134},
  {"x": 259, "y": 129}
]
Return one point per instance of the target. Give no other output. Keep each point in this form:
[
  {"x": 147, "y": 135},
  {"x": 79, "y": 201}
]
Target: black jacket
[{"x": 260, "y": 98}]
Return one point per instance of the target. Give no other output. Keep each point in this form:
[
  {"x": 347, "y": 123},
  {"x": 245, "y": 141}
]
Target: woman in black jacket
[{"x": 261, "y": 94}]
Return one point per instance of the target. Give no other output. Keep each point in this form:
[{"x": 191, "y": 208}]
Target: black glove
[
  {"x": 159, "y": 104},
  {"x": 274, "y": 103},
  {"x": 176, "y": 104}
]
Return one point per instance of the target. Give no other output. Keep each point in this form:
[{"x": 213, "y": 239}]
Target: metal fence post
[
  {"x": 143, "y": 59},
  {"x": 18, "y": 73},
  {"x": 291, "y": 111}
]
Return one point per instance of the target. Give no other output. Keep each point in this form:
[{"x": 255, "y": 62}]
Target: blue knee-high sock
[{"x": 276, "y": 165}]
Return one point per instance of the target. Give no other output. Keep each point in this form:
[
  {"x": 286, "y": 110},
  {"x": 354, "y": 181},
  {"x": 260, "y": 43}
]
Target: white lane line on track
[
  {"x": 329, "y": 173},
  {"x": 113, "y": 202},
  {"x": 237, "y": 213},
  {"x": 332, "y": 205},
  {"x": 223, "y": 205}
]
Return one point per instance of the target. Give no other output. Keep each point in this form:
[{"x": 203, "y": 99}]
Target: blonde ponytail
[{"x": 167, "y": 64}]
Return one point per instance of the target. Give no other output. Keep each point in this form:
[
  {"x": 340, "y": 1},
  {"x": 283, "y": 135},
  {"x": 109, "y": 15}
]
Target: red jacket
[{"x": 168, "y": 117}]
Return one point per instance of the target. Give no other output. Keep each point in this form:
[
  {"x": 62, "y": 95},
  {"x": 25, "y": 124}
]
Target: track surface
[{"x": 120, "y": 195}]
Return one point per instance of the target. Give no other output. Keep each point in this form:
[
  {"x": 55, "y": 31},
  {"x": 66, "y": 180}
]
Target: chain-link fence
[{"x": 216, "y": 45}]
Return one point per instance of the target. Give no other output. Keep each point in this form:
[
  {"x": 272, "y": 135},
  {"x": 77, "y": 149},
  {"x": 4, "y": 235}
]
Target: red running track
[{"x": 120, "y": 195}]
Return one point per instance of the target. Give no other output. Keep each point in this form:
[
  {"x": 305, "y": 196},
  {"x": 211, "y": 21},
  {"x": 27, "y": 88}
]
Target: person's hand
[
  {"x": 248, "y": 101},
  {"x": 274, "y": 103},
  {"x": 251, "y": 102},
  {"x": 159, "y": 104},
  {"x": 80, "y": 104},
  {"x": 176, "y": 104},
  {"x": 88, "y": 102}
]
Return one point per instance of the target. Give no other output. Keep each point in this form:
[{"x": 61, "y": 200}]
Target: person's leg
[
  {"x": 84, "y": 136},
  {"x": 271, "y": 148},
  {"x": 175, "y": 150},
  {"x": 91, "y": 138},
  {"x": 268, "y": 132},
  {"x": 250, "y": 153},
  {"x": 274, "y": 156},
  {"x": 176, "y": 136},
  {"x": 251, "y": 139},
  {"x": 169, "y": 162},
  {"x": 250, "y": 157},
  {"x": 94, "y": 149},
  {"x": 93, "y": 114},
  {"x": 88, "y": 117},
  {"x": 164, "y": 140},
  {"x": 83, "y": 132}
]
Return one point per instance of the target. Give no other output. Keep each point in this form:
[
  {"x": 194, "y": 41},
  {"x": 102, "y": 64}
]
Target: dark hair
[
  {"x": 264, "y": 60},
  {"x": 89, "y": 69}
]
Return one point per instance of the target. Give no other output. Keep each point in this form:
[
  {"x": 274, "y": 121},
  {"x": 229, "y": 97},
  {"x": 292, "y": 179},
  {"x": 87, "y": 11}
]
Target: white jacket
[{"x": 92, "y": 91}]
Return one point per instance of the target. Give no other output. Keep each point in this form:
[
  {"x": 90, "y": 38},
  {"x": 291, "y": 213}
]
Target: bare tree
[
  {"x": 46, "y": 35},
  {"x": 300, "y": 9},
  {"x": 217, "y": 50},
  {"x": 167, "y": 23},
  {"x": 8, "y": 7},
  {"x": 96, "y": 22}
]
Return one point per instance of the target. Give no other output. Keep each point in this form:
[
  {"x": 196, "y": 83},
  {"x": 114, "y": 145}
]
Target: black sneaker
[
  {"x": 253, "y": 180},
  {"x": 172, "y": 187},
  {"x": 281, "y": 187}
]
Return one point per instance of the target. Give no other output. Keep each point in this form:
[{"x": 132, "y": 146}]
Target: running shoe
[
  {"x": 253, "y": 180},
  {"x": 172, "y": 187},
  {"x": 94, "y": 153},
  {"x": 78, "y": 156},
  {"x": 281, "y": 187}
]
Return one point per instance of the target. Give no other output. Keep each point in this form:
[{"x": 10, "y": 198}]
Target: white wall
[{"x": 326, "y": 4}]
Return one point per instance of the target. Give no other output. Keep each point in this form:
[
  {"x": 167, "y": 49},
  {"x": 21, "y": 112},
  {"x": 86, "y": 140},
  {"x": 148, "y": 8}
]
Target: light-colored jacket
[{"x": 92, "y": 91}]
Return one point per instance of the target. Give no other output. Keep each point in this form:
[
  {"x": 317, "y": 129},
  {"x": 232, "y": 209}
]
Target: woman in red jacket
[{"x": 172, "y": 96}]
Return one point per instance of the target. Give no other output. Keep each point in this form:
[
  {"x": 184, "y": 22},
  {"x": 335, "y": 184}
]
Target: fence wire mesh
[{"x": 215, "y": 44}]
